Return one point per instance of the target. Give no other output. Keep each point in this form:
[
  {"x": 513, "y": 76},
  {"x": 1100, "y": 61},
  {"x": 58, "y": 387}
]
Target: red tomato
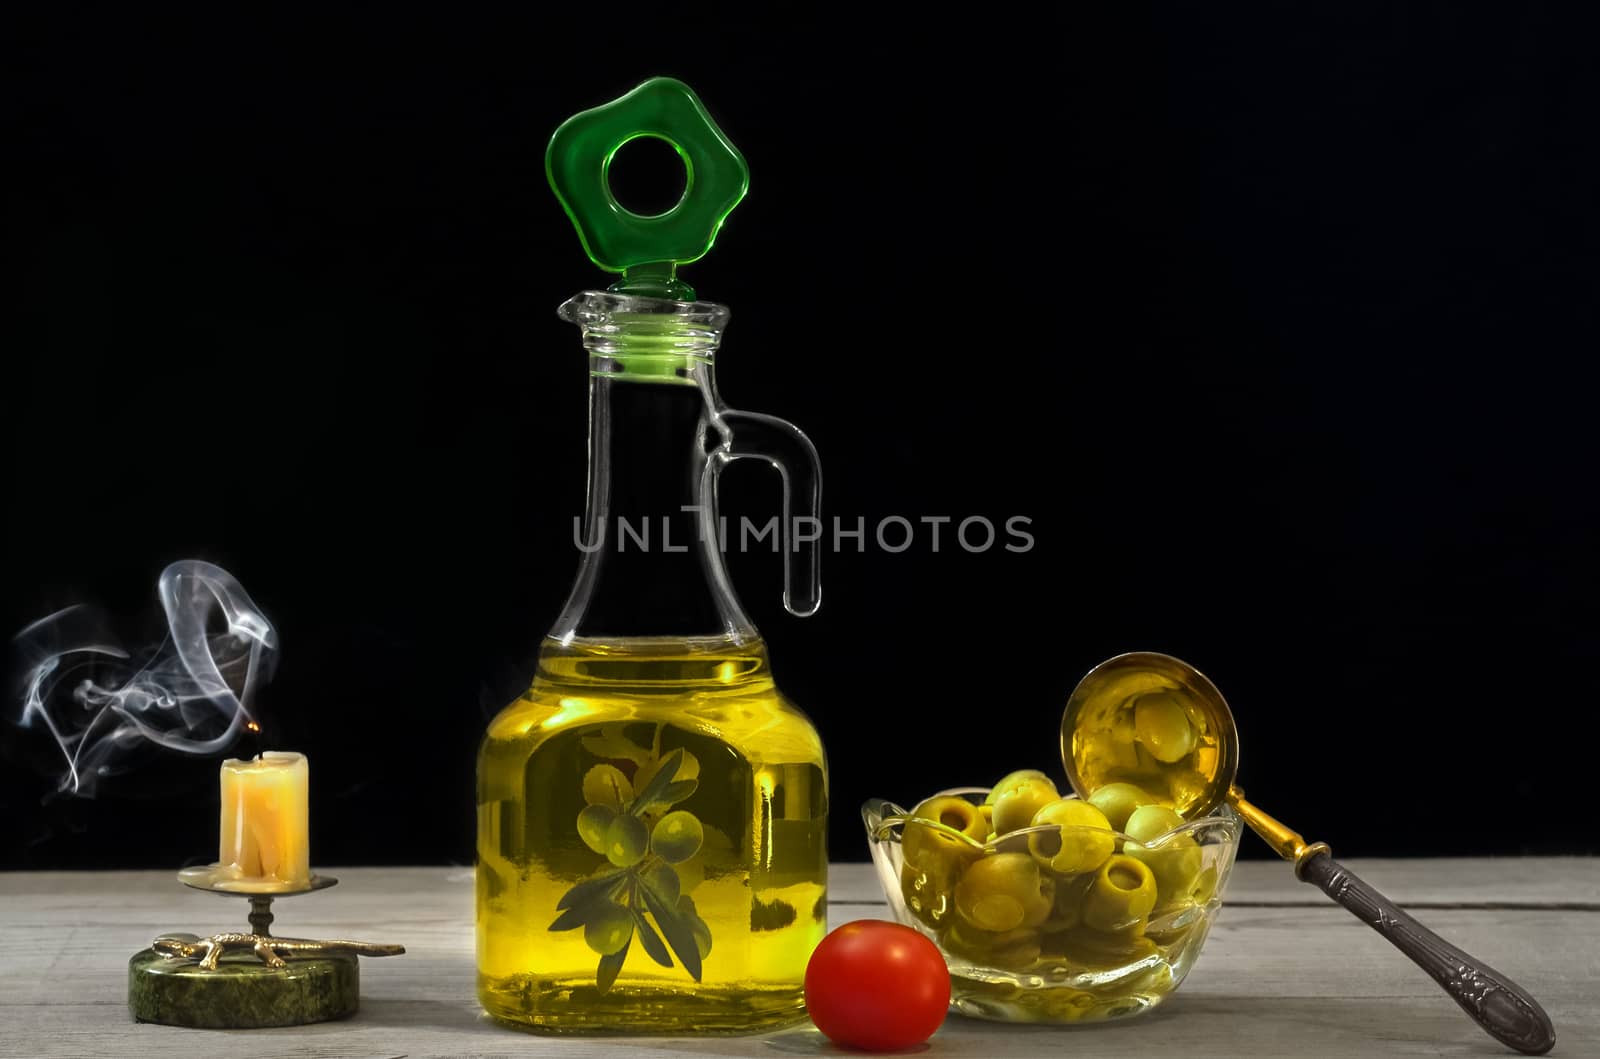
[{"x": 877, "y": 986}]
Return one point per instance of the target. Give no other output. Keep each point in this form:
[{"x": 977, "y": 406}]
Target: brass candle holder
[{"x": 247, "y": 980}]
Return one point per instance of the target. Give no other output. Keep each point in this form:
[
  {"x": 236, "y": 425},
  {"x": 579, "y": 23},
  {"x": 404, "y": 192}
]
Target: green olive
[
  {"x": 1097, "y": 950},
  {"x": 941, "y": 842},
  {"x": 954, "y": 812},
  {"x": 610, "y": 931},
  {"x": 677, "y": 837},
  {"x": 1186, "y": 787},
  {"x": 1205, "y": 886},
  {"x": 1163, "y": 726},
  {"x": 1115, "y": 747},
  {"x": 1011, "y": 949},
  {"x": 1175, "y": 862},
  {"x": 1123, "y": 893},
  {"x": 1013, "y": 779},
  {"x": 593, "y": 822},
  {"x": 1122, "y": 729},
  {"x": 1083, "y": 841},
  {"x": 928, "y": 894},
  {"x": 606, "y": 785},
  {"x": 1019, "y": 803},
  {"x": 1119, "y": 800},
  {"x": 1150, "y": 822},
  {"x": 1001, "y": 892},
  {"x": 1062, "y": 1003},
  {"x": 1035, "y": 913},
  {"x": 1155, "y": 981},
  {"x": 1170, "y": 930},
  {"x": 626, "y": 841},
  {"x": 1067, "y": 911}
]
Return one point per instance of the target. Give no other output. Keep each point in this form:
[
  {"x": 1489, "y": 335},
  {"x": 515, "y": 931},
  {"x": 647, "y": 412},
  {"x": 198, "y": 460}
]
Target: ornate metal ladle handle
[{"x": 1503, "y": 1008}]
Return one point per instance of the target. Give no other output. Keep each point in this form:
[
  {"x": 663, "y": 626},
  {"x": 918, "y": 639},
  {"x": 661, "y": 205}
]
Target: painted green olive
[
  {"x": 593, "y": 822},
  {"x": 626, "y": 841},
  {"x": 610, "y": 932},
  {"x": 1082, "y": 843},
  {"x": 1001, "y": 892},
  {"x": 1119, "y": 800},
  {"x": 1163, "y": 726},
  {"x": 1012, "y": 779},
  {"x": 715, "y": 849},
  {"x": 677, "y": 837},
  {"x": 1175, "y": 862},
  {"x": 929, "y": 846},
  {"x": 606, "y": 785},
  {"x": 1018, "y": 802},
  {"x": 1123, "y": 893}
]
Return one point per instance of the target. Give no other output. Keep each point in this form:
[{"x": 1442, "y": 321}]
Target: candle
[{"x": 266, "y": 842}]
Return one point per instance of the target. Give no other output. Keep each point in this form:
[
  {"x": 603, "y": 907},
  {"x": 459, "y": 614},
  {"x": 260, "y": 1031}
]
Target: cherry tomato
[{"x": 877, "y": 986}]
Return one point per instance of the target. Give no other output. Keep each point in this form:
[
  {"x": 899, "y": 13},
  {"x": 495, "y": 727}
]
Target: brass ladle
[{"x": 1145, "y": 717}]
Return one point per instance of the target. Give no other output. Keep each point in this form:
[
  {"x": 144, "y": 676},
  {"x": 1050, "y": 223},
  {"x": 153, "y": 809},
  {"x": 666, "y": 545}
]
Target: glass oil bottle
[{"x": 652, "y": 812}]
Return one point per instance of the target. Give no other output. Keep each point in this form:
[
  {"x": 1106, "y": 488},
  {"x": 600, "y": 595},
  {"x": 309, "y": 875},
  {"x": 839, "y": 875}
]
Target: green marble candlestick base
[
  {"x": 242, "y": 992},
  {"x": 233, "y": 981}
]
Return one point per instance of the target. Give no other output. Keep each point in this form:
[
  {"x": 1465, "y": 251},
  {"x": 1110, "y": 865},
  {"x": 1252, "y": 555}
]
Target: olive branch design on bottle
[{"x": 642, "y": 894}]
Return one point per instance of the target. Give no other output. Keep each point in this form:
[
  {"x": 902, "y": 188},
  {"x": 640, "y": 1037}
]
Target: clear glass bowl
[{"x": 1061, "y": 970}]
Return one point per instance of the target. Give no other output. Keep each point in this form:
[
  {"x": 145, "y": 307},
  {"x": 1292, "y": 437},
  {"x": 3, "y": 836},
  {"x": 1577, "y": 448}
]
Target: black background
[{"x": 1279, "y": 326}]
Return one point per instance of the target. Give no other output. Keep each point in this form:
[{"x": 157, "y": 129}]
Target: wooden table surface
[{"x": 1284, "y": 973}]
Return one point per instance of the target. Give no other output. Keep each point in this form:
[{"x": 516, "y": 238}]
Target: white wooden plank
[
  {"x": 1272, "y": 981},
  {"x": 1438, "y": 882},
  {"x": 1518, "y": 881}
]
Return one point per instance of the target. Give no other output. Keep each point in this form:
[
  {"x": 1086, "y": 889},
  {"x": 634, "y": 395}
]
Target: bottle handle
[{"x": 755, "y": 435}]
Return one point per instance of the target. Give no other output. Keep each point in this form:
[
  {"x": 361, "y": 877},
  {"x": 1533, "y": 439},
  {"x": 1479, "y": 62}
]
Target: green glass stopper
[{"x": 646, "y": 250}]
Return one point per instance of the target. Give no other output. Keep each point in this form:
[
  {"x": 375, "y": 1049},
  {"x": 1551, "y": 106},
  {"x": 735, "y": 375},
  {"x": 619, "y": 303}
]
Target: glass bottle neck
[{"x": 650, "y": 562}]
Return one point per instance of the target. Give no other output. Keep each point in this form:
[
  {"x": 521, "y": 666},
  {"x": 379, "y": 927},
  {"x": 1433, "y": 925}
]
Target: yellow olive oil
[
  {"x": 1145, "y": 729},
  {"x": 652, "y": 857}
]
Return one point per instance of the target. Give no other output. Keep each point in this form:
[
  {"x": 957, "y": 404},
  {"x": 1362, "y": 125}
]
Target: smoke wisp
[{"x": 191, "y": 693}]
